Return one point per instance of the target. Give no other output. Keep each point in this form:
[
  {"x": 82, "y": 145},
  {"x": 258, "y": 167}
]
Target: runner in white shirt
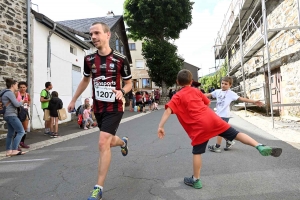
[{"x": 224, "y": 98}]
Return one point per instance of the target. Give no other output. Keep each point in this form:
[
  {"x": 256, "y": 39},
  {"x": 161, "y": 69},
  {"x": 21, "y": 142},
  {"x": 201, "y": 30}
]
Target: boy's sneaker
[
  {"x": 124, "y": 150},
  {"x": 267, "y": 151},
  {"x": 229, "y": 144},
  {"x": 195, "y": 184},
  {"x": 85, "y": 128},
  {"x": 96, "y": 194},
  {"x": 214, "y": 148}
]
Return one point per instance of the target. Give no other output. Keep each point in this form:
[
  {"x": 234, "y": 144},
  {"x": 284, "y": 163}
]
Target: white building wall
[{"x": 61, "y": 70}]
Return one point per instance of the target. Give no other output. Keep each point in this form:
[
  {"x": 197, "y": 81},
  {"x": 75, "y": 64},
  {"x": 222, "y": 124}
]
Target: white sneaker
[{"x": 213, "y": 148}]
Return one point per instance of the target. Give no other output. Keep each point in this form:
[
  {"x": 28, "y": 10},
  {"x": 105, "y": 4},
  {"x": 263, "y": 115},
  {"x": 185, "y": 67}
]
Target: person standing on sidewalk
[
  {"x": 224, "y": 98},
  {"x": 106, "y": 67},
  {"x": 190, "y": 106},
  {"x": 22, "y": 95},
  {"x": 44, "y": 99},
  {"x": 14, "y": 124},
  {"x": 54, "y": 105}
]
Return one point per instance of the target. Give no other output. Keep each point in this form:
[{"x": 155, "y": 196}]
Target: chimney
[{"x": 110, "y": 14}]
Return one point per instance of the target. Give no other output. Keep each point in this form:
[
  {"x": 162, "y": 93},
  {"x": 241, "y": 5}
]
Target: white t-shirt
[{"x": 224, "y": 98}]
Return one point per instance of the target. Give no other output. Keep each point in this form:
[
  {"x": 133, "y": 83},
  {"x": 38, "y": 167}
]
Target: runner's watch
[{"x": 123, "y": 92}]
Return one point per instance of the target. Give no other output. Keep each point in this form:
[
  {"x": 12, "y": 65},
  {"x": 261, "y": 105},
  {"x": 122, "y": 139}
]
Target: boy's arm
[
  {"x": 208, "y": 95},
  {"x": 164, "y": 118},
  {"x": 256, "y": 102}
]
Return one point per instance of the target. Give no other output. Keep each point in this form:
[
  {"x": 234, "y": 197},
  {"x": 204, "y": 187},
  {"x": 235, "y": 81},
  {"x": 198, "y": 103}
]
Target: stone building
[
  {"x": 242, "y": 41},
  {"x": 13, "y": 41}
]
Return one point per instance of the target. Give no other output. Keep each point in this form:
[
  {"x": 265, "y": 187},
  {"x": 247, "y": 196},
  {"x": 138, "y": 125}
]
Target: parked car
[{"x": 138, "y": 97}]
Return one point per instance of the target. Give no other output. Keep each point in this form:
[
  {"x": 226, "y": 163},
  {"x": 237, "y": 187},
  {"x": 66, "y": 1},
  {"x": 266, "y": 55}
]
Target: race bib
[{"x": 103, "y": 93}]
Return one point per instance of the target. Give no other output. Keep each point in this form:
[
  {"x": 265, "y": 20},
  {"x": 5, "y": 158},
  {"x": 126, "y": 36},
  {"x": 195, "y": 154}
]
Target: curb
[
  {"x": 42, "y": 144},
  {"x": 284, "y": 134}
]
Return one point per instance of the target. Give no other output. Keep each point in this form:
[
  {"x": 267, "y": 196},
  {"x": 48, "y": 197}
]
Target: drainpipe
[
  {"x": 49, "y": 52},
  {"x": 28, "y": 44}
]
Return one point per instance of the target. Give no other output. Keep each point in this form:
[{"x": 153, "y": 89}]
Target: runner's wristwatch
[{"x": 123, "y": 92}]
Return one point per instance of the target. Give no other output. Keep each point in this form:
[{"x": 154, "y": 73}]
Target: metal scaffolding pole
[
  {"x": 265, "y": 22},
  {"x": 242, "y": 57},
  {"x": 298, "y": 6},
  {"x": 227, "y": 60}
]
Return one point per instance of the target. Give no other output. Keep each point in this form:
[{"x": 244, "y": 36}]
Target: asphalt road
[{"x": 154, "y": 169}]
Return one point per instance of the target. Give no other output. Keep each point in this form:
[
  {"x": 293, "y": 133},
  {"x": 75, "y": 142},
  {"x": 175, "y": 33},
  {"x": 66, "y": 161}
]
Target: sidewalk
[{"x": 287, "y": 131}]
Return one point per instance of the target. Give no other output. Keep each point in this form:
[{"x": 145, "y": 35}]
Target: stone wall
[
  {"x": 284, "y": 54},
  {"x": 13, "y": 42}
]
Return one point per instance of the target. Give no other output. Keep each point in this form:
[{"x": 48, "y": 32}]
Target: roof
[
  {"x": 83, "y": 25},
  {"x": 59, "y": 29}
]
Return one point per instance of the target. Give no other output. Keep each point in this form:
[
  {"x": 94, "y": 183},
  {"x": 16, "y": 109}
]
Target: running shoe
[
  {"x": 124, "y": 150},
  {"x": 267, "y": 151},
  {"x": 213, "y": 148},
  {"x": 96, "y": 194},
  {"x": 229, "y": 144},
  {"x": 190, "y": 182}
]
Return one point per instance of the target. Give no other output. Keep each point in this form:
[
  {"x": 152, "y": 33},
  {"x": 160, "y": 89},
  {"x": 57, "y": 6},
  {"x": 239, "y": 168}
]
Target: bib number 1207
[{"x": 105, "y": 94}]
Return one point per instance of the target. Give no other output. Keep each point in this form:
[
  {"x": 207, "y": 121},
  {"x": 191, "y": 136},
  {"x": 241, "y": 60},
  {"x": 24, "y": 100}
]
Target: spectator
[
  {"x": 44, "y": 99},
  {"x": 156, "y": 95},
  {"x": 22, "y": 95},
  {"x": 9, "y": 99},
  {"x": 150, "y": 101},
  {"x": 170, "y": 94},
  {"x": 87, "y": 119},
  {"x": 144, "y": 101},
  {"x": 54, "y": 105},
  {"x": 81, "y": 108},
  {"x": 130, "y": 96}
]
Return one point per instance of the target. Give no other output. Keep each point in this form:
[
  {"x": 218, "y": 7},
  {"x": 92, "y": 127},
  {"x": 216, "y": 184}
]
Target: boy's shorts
[{"x": 230, "y": 134}]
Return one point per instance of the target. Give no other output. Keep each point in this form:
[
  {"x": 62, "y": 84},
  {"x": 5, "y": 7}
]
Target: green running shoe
[
  {"x": 267, "y": 151},
  {"x": 190, "y": 182}
]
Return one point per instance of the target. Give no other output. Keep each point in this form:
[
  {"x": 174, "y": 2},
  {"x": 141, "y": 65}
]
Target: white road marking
[{"x": 31, "y": 160}]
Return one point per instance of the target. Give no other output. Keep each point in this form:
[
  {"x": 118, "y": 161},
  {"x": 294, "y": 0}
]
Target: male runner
[{"x": 106, "y": 67}]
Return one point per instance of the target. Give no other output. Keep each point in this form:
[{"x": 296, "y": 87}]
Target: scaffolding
[{"x": 245, "y": 19}]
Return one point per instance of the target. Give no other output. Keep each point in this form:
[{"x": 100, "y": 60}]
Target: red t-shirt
[{"x": 197, "y": 119}]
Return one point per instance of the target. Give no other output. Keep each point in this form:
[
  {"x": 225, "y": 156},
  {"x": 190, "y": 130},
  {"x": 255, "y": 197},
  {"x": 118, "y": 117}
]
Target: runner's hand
[
  {"x": 71, "y": 106},
  {"x": 161, "y": 133},
  {"x": 119, "y": 94}
]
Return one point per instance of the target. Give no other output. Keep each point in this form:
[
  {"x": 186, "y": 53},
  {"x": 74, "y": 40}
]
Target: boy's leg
[
  {"x": 56, "y": 124},
  {"x": 232, "y": 134},
  {"x": 195, "y": 181},
  {"x": 197, "y": 164}
]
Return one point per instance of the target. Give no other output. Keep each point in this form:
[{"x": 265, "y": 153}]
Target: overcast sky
[{"x": 195, "y": 44}]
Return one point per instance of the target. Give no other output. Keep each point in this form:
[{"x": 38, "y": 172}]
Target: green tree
[
  {"x": 157, "y": 22},
  {"x": 162, "y": 61},
  {"x": 214, "y": 80}
]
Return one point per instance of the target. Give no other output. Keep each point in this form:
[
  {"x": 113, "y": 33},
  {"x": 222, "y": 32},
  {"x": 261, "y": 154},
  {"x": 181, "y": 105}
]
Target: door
[
  {"x": 276, "y": 88},
  {"x": 76, "y": 78}
]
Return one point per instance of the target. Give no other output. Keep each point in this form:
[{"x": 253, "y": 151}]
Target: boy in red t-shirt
[{"x": 201, "y": 123}]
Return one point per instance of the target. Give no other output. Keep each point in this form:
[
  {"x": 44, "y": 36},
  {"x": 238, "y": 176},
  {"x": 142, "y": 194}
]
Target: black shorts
[
  {"x": 109, "y": 121},
  {"x": 230, "y": 134}
]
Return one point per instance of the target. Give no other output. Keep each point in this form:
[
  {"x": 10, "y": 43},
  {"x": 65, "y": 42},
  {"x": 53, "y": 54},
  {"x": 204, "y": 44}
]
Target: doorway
[{"x": 76, "y": 78}]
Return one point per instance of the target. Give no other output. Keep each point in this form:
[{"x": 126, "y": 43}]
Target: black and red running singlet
[{"x": 107, "y": 72}]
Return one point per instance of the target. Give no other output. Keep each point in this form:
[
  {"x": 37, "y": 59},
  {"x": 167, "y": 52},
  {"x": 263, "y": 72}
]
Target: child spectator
[
  {"x": 87, "y": 117},
  {"x": 54, "y": 105},
  {"x": 224, "y": 98},
  {"x": 201, "y": 123}
]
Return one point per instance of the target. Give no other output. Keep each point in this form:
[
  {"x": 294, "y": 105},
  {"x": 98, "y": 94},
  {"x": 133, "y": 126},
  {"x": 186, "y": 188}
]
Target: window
[
  {"x": 122, "y": 50},
  {"x": 132, "y": 46},
  {"x": 117, "y": 45},
  {"x": 135, "y": 84},
  {"x": 73, "y": 50},
  {"x": 146, "y": 83},
  {"x": 139, "y": 64}
]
